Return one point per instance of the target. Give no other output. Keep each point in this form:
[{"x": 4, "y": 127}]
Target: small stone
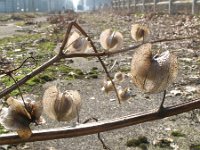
[
  {"x": 92, "y": 98},
  {"x": 176, "y": 92},
  {"x": 191, "y": 89},
  {"x": 112, "y": 99}
]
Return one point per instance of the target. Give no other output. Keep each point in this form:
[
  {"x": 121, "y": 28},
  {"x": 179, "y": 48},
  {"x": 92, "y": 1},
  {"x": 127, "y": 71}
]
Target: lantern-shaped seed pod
[
  {"x": 153, "y": 74},
  {"x": 107, "y": 85},
  {"x": 111, "y": 40},
  {"x": 118, "y": 77},
  {"x": 76, "y": 43},
  {"x": 139, "y": 32},
  {"x": 124, "y": 94},
  {"x": 61, "y": 106},
  {"x": 17, "y": 117}
]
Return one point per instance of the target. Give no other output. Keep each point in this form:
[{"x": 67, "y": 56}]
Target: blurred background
[{"x": 50, "y": 5}]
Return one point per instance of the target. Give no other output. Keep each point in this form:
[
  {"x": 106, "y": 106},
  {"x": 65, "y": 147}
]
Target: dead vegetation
[{"x": 186, "y": 87}]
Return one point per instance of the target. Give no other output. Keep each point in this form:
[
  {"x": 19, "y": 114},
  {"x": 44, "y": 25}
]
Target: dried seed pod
[
  {"x": 111, "y": 40},
  {"x": 124, "y": 94},
  {"x": 118, "y": 77},
  {"x": 18, "y": 119},
  {"x": 107, "y": 86},
  {"x": 153, "y": 74},
  {"x": 76, "y": 43},
  {"x": 139, "y": 32},
  {"x": 61, "y": 106}
]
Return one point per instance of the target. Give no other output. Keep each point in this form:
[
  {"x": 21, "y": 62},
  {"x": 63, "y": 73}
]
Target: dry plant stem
[
  {"x": 62, "y": 56},
  {"x": 99, "y": 136},
  {"x": 20, "y": 92},
  {"x": 101, "y": 61},
  {"x": 163, "y": 100},
  {"x": 101, "y": 126},
  {"x": 11, "y": 71},
  {"x": 69, "y": 28}
]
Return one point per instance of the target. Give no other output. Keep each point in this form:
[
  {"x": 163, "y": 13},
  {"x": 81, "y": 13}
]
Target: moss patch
[
  {"x": 3, "y": 130},
  {"x": 195, "y": 147},
  {"x": 141, "y": 142},
  {"x": 177, "y": 134},
  {"x": 93, "y": 73}
]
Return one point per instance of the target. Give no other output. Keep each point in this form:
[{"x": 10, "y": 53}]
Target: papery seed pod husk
[
  {"x": 18, "y": 119},
  {"x": 118, "y": 77},
  {"x": 76, "y": 43},
  {"x": 124, "y": 94},
  {"x": 61, "y": 106},
  {"x": 107, "y": 86},
  {"x": 138, "y": 32},
  {"x": 153, "y": 74},
  {"x": 110, "y": 40}
]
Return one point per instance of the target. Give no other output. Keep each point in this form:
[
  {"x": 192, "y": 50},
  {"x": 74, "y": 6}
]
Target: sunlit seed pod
[
  {"x": 153, "y": 74},
  {"x": 77, "y": 43},
  {"x": 139, "y": 32},
  {"x": 107, "y": 86},
  {"x": 111, "y": 40},
  {"x": 61, "y": 106},
  {"x": 118, "y": 77},
  {"x": 18, "y": 119},
  {"x": 124, "y": 94}
]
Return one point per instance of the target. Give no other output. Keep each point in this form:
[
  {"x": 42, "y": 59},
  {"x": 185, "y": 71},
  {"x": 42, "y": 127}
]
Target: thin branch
[
  {"x": 11, "y": 71},
  {"x": 20, "y": 92},
  {"x": 31, "y": 57},
  {"x": 101, "y": 126},
  {"x": 69, "y": 28},
  {"x": 98, "y": 134}
]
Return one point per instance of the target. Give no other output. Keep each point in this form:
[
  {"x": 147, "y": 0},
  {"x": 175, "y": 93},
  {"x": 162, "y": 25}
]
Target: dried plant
[
  {"x": 76, "y": 43},
  {"x": 153, "y": 74},
  {"x": 139, "y": 32},
  {"x": 150, "y": 73},
  {"x": 18, "y": 118},
  {"x": 111, "y": 40},
  {"x": 61, "y": 106}
]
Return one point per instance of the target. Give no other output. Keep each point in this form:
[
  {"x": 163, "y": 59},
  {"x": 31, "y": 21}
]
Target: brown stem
[
  {"x": 98, "y": 134},
  {"x": 20, "y": 92},
  {"x": 101, "y": 126}
]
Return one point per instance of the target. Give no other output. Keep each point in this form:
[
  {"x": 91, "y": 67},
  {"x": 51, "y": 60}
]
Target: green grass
[
  {"x": 195, "y": 147},
  {"x": 21, "y": 23},
  {"x": 3, "y": 130},
  {"x": 141, "y": 142},
  {"x": 177, "y": 134}
]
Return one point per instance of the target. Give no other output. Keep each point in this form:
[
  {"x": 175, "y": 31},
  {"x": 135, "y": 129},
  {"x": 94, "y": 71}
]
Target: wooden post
[
  {"x": 134, "y": 4},
  {"x": 155, "y": 3},
  {"x": 143, "y": 5},
  {"x": 170, "y": 6},
  {"x": 124, "y": 4},
  {"x": 129, "y": 4},
  {"x": 194, "y": 6}
]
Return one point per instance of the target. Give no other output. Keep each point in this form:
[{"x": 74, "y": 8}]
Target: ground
[{"x": 176, "y": 132}]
